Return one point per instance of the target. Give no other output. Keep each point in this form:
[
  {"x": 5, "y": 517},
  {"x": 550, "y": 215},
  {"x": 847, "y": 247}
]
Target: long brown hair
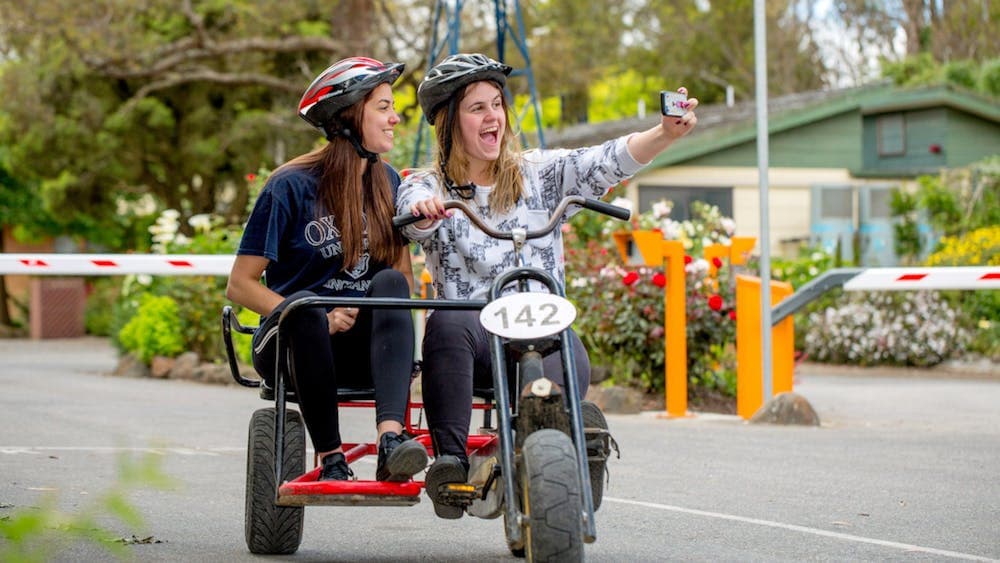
[
  {"x": 508, "y": 185},
  {"x": 357, "y": 202}
]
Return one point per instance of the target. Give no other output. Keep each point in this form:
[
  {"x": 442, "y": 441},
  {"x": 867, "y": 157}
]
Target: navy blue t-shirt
[{"x": 304, "y": 250}]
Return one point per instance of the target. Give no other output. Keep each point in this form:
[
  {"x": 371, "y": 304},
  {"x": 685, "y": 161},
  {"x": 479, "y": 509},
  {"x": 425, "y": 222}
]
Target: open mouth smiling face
[{"x": 482, "y": 121}]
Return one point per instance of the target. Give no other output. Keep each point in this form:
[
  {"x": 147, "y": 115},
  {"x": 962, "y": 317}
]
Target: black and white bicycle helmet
[
  {"x": 342, "y": 85},
  {"x": 453, "y": 74}
]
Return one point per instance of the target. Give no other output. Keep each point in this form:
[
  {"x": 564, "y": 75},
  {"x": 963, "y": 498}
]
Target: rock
[
  {"x": 786, "y": 408},
  {"x": 161, "y": 366},
  {"x": 616, "y": 400},
  {"x": 184, "y": 366},
  {"x": 599, "y": 373},
  {"x": 212, "y": 373},
  {"x": 131, "y": 366}
]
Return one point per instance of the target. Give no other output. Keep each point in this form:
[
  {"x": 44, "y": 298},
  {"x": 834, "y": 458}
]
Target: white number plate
[{"x": 524, "y": 316}]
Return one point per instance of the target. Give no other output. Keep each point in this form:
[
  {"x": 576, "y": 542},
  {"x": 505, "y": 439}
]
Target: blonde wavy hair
[{"x": 508, "y": 183}]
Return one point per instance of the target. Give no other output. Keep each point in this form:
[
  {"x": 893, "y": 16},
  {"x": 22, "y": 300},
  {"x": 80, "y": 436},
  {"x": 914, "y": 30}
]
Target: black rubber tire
[
  {"x": 272, "y": 529},
  {"x": 551, "y": 499}
]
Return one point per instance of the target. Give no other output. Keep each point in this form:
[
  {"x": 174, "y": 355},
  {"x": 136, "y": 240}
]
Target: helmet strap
[{"x": 345, "y": 132}]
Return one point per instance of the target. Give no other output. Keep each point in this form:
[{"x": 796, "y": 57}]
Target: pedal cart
[{"x": 529, "y": 463}]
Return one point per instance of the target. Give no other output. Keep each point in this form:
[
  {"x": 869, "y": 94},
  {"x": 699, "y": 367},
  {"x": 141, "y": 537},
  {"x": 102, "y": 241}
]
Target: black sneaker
[
  {"x": 599, "y": 444},
  {"x": 399, "y": 457},
  {"x": 335, "y": 468},
  {"x": 445, "y": 469}
]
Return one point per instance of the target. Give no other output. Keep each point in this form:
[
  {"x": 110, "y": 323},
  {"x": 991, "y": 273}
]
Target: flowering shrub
[
  {"x": 899, "y": 328},
  {"x": 197, "y": 299},
  {"x": 621, "y": 309},
  {"x": 707, "y": 227},
  {"x": 981, "y": 309}
]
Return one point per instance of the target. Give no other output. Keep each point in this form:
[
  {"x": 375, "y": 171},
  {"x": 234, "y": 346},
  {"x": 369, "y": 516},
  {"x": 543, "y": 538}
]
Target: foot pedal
[{"x": 457, "y": 494}]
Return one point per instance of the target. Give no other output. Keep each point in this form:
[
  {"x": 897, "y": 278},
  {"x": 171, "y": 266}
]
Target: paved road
[{"x": 903, "y": 469}]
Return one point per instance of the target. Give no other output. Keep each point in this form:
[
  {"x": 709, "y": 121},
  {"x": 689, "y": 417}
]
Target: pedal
[
  {"x": 599, "y": 444},
  {"x": 457, "y": 494}
]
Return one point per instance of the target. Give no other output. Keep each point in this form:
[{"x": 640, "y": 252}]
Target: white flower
[
  {"x": 661, "y": 209},
  {"x": 622, "y": 202},
  {"x": 144, "y": 279},
  {"x": 578, "y": 282},
  {"x": 201, "y": 222},
  {"x": 172, "y": 214},
  {"x": 728, "y": 225}
]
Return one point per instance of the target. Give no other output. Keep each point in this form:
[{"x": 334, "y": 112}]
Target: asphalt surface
[{"x": 902, "y": 469}]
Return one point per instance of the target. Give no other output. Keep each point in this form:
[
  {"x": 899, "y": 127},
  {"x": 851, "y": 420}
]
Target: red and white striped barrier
[
  {"x": 939, "y": 277},
  {"x": 116, "y": 264}
]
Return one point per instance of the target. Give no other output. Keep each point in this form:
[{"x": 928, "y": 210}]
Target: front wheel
[
  {"x": 551, "y": 498},
  {"x": 273, "y": 529}
]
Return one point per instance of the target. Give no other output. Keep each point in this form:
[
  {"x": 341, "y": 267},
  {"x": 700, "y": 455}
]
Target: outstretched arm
[{"x": 644, "y": 146}]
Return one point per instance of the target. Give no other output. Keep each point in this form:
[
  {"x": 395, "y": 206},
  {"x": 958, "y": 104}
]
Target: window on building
[
  {"x": 891, "y": 133},
  {"x": 683, "y": 197}
]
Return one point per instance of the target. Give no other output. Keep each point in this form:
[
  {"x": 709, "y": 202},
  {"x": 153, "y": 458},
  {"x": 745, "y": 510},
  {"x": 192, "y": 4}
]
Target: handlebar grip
[
  {"x": 608, "y": 209},
  {"x": 405, "y": 219}
]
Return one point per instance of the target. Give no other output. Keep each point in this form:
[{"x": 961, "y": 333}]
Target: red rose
[
  {"x": 715, "y": 302},
  {"x": 732, "y": 314},
  {"x": 630, "y": 278},
  {"x": 251, "y": 177},
  {"x": 716, "y": 262},
  {"x": 687, "y": 259},
  {"x": 659, "y": 280}
]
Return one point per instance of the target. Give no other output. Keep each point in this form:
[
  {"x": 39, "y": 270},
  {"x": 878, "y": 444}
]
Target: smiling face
[
  {"x": 378, "y": 120},
  {"x": 482, "y": 120}
]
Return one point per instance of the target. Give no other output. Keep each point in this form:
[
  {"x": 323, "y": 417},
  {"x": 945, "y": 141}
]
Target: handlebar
[{"x": 589, "y": 203}]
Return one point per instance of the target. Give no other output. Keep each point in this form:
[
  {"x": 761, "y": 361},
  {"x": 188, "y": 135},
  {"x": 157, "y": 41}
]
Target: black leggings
[
  {"x": 377, "y": 351},
  {"x": 456, "y": 360}
]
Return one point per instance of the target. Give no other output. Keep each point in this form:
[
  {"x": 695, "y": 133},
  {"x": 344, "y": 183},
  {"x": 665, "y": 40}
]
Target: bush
[
  {"x": 621, "y": 309},
  {"x": 98, "y": 318},
  {"x": 198, "y": 300},
  {"x": 887, "y": 328},
  {"x": 155, "y": 330},
  {"x": 980, "y": 308}
]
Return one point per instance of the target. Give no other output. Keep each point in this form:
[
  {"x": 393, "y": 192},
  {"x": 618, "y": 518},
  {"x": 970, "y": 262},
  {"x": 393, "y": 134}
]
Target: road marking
[
  {"x": 815, "y": 531},
  {"x": 41, "y": 450}
]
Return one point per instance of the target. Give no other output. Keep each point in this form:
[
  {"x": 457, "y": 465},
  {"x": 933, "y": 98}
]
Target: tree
[
  {"x": 706, "y": 45},
  {"x": 945, "y": 29},
  {"x": 574, "y": 43},
  {"x": 108, "y": 101}
]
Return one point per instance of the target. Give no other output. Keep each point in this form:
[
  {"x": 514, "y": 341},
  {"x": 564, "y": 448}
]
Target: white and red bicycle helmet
[
  {"x": 454, "y": 73},
  {"x": 342, "y": 85}
]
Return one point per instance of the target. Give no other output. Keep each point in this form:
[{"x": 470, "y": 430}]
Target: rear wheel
[
  {"x": 273, "y": 529},
  {"x": 551, "y": 498}
]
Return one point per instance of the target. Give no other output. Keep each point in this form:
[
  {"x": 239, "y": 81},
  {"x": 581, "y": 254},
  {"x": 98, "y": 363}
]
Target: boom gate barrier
[{"x": 655, "y": 251}]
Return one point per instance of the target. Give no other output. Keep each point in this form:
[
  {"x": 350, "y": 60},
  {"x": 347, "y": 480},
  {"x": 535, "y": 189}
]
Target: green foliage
[
  {"x": 954, "y": 202},
  {"x": 40, "y": 533},
  {"x": 920, "y": 69},
  {"x": 155, "y": 330},
  {"x": 923, "y": 69},
  {"x": 242, "y": 343},
  {"x": 989, "y": 78},
  {"x": 98, "y": 315}
]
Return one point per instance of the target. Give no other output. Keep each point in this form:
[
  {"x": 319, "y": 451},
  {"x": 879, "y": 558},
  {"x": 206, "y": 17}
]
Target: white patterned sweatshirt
[{"x": 463, "y": 261}]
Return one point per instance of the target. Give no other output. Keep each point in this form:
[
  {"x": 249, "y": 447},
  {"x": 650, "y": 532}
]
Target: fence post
[{"x": 749, "y": 380}]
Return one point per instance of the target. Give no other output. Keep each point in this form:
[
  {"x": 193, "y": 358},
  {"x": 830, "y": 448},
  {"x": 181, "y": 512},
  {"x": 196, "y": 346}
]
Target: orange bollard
[
  {"x": 749, "y": 379},
  {"x": 654, "y": 251}
]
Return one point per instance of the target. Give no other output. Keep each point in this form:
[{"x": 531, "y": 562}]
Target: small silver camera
[{"x": 671, "y": 103}]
